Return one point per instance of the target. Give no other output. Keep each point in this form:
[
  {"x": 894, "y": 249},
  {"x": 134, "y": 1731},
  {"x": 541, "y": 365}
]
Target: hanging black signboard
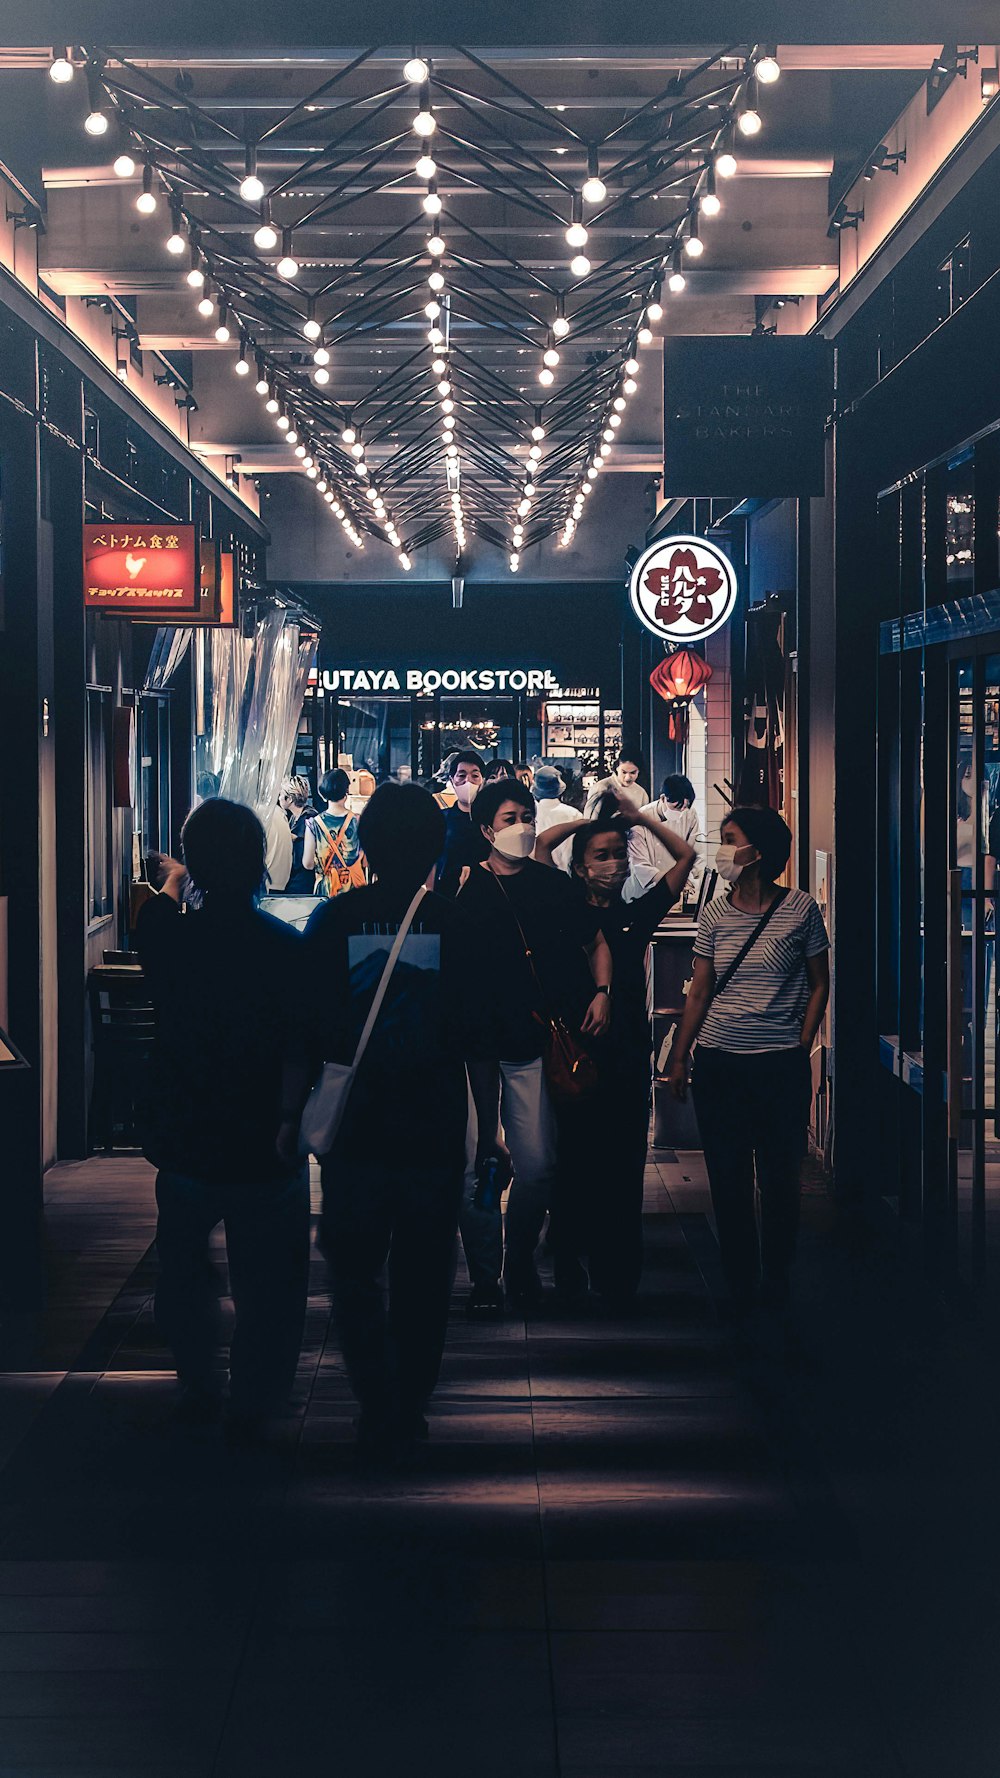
[{"x": 744, "y": 415}]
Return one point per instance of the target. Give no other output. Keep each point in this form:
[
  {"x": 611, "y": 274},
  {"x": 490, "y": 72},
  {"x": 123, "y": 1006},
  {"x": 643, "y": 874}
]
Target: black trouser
[
  {"x": 603, "y": 1143},
  {"x": 375, "y": 1214},
  {"x": 753, "y": 1113},
  {"x": 267, "y": 1243}
]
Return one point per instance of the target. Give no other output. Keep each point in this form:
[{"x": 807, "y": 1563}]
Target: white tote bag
[{"x": 326, "y": 1104}]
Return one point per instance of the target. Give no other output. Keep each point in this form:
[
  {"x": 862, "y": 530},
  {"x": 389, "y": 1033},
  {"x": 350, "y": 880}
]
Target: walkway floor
[{"x": 630, "y": 1549}]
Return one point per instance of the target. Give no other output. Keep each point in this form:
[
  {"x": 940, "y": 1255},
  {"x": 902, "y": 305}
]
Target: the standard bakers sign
[
  {"x": 683, "y": 589},
  {"x": 425, "y": 681}
]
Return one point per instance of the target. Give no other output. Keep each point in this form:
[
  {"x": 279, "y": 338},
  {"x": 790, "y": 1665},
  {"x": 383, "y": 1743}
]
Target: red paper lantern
[{"x": 677, "y": 679}]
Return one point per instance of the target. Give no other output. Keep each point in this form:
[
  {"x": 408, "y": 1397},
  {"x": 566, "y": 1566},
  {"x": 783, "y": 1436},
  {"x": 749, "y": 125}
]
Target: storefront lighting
[
  {"x": 321, "y": 376},
  {"x": 145, "y": 203},
  {"x": 61, "y": 68},
  {"x": 767, "y": 67},
  {"x": 125, "y": 166},
  {"x": 288, "y": 265},
  {"x": 321, "y": 355},
  {"x": 432, "y": 203},
  {"x": 96, "y": 121},
  {"x": 580, "y": 266}
]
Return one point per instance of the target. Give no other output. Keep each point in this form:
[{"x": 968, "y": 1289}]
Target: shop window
[
  {"x": 98, "y": 802},
  {"x": 954, "y": 278},
  {"x": 154, "y": 775}
]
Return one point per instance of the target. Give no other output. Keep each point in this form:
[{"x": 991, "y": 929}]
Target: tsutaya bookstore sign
[{"x": 425, "y": 681}]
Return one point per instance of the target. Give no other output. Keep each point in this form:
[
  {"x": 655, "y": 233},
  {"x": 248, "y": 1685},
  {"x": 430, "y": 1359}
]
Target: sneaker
[{"x": 485, "y": 1302}]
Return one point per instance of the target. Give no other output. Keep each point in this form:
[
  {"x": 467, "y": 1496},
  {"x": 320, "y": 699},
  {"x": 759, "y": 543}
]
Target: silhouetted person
[
  {"x": 463, "y": 842},
  {"x": 225, "y": 981},
  {"x": 393, "y": 1180}
]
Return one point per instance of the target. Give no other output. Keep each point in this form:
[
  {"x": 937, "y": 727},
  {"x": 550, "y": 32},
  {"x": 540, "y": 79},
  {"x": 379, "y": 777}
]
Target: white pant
[{"x": 529, "y": 1129}]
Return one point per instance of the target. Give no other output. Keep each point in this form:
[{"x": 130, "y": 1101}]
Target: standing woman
[
  {"x": 759, "y": 990},
  {"x": 604, "y": 1142},
  {"x": 331, "y": 845}
]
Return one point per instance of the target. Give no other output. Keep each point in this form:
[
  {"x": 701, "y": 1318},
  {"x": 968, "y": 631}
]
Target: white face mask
[
  {"x": 517, "y": 841},
  {"x": 726, "y": 865}
]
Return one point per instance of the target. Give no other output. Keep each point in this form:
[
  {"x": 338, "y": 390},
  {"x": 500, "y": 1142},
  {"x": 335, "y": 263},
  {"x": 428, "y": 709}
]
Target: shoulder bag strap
[
  {"x": 727, "y": 974},
  {"x": 390, "y": 964}
]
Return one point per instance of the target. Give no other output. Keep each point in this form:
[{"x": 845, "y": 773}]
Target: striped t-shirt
[{"x": 763, "y": 1006}]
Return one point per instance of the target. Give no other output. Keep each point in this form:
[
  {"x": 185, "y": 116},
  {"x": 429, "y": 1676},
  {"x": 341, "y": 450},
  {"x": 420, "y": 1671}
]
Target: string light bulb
[
  {"x": 426, "y": 167},
  {"x": 416, "y": 71},
  {"x": 726, "y": 164},
  {"x": 432, "y": 203},
  {"x": 124, "y": 166},
  {"x": 196, "y": 274},
  {"x": 654, "y": 309},
  {"x": 222, "y": 332},
  {"x": 425, "y": 123},
  {"x": 435, "y": 246},
  {"x": 767, "y": 67},
  {"x": 175, "y": 240},
  {"x": 242, "y": 366},
  {"x": 265, "y": 235},
  {"x": 96, "y": 121},
  {"x": 576, "y": 235},
  {"x": 145, "y": 203},
  {"x": 321, "y": 356},
  {"x": 436, "y": 282},
  {"x": 594, "y": 189},
  {"x": 580, "y": 266},
  {"x": 546, "y": 376},
  {"x": 748, "y": 121},
  {"x": 711, "y": 203},
  {"x": 206, "y": 306},
  {"x": 560, "y": 327},
  {"x": 694, "y": 246},
  {"x": 321, "y": 376},
  {"x": 311, "y": 328},
  {"x": 288, "y": 265},
  {"x": 61, "y": 68}
]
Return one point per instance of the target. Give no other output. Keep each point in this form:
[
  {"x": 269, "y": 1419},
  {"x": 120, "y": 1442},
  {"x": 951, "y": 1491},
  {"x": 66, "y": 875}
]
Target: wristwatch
[{"x": 603, "y": 988}]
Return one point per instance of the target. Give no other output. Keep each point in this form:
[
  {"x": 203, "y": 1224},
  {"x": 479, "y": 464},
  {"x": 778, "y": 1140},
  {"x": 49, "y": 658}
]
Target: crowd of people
[{"x": 469, "y": 1025}]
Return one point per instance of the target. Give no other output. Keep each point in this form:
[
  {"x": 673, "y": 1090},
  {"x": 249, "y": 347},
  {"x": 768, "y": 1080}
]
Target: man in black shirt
[
  {"x": 545, "y": 956},
  {"x": 393, "y": 1180},
  {"x": 463, "y": 845},
  {"x": 226, "y": 986}
]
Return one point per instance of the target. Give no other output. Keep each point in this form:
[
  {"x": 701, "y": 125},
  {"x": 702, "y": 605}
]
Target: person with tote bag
[
  {"x": 759, "y": 989},
  {"x": 397, "y": 995}
]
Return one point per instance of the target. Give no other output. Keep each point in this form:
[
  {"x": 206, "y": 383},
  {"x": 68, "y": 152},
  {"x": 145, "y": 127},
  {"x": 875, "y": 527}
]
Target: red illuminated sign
[{"x": 130, "y": 568}]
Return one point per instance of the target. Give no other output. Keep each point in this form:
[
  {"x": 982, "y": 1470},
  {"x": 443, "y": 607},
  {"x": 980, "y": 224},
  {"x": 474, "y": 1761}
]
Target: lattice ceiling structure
[{"x": 499, "y": 257}]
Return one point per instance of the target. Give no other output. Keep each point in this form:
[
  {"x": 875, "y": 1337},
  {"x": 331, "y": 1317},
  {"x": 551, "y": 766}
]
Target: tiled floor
[{"x": 631, "y": 1548}]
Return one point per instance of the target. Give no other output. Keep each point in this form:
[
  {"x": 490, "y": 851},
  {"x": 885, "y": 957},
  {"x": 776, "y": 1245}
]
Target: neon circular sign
[{"x": 683, "y": 589}]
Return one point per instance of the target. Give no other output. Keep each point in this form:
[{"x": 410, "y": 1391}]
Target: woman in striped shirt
[{"x": 755, "y": 1012}]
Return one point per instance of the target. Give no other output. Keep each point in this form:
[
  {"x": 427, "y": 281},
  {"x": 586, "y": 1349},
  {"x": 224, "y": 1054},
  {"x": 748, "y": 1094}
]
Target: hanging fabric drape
[
  {"x": 170, "y": 645},
  {"x": 223, "y": 658},
  {"x": 273, "y": 689},
  {"x": 761, "y": 781}
]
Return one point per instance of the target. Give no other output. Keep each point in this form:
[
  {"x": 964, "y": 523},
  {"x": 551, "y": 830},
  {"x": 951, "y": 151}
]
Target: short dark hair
[
  {"x": 499, "y": 768},
  {"x": 589, "y": 830},
  {"x": 677, "y": 789},
  {"x": 632, "y": 754},
  {"x": 502, "y": 790},
  {"x": 334, "y": 785},
  {"x": 771, "y": 836},
  {"x": 467, "y": 758},
  {"x": 401, "y": 832},
  {"x": 225, "y": 848}
]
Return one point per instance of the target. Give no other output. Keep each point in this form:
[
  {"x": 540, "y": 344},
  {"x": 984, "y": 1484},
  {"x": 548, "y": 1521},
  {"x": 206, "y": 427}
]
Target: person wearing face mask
[
  {"x": 603, "y": 1157},
  {"x": 625, "y": 777},
  {"x": 759, "y": 990},
  {"x": 463, "y": 844},
  {"x": 519, "y": 907},
  {"x": 648, "y": 857}
]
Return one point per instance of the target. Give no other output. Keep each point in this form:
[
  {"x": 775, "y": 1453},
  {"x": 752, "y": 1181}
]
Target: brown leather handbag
[{"x": 570, "y": 1070}]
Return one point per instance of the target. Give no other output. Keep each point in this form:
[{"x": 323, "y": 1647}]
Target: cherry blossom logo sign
[{"x": 683, "y": 589}]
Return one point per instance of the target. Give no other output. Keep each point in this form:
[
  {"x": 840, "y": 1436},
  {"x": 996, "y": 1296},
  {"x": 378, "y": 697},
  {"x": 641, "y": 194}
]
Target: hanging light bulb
[
  {"x": 321, "y": 355},
  {"x": 439, "y": 366},
  {"x": 767, "y": 67},
  {"x": 311, "y": 327},
  {"x": 619, "y": 404},
  {"x": 630, "y": 386},
  {"x": 560, "y": 327},
  {"x": 266, "y": 235},
  {"x": 283, "y": 422},
  {"x": 615, "y": 419},
  {"x": 424, "y": 124},
  {"x": 447, "y": 406},
  {"x": 145, "y": 203},
  {"x": 546, "y": 376},
  {"x": 124, "y": 166},
  {"x": 206, "y": 306},
  {"x": 580, "y": 266},
  {"x": 288, "y": 265},
  {"x": 175, "y": 240},
  {"x": 694, "y": 246},
  {"x": 748, "y": 120},
  {"x": 432, "y": 311},
  {"x": 444, "y": 389},
  {"x": 242, "y": 366},
  {"x": 272, "y": 403},
  {"x": 61, "y": 68},
  {"x": 357, "y": 450},
  {"x": 435, "y": 335},
  {"x": 594, "y": 190},
  {"x": 96, "y": 121},
  {"x": 726, "y": 164},
  {"x": 426, "y": 167},
  {"x": 432, "y": 203},
  {"x": 576, "y": 235},
  {"x": 676, "y": 281},
  {"x": 436, "y": 281},
  {"x": 348, "y": 435},
  {"x": 292, "y": 438},
  {"x": 538, "y": 431},
  {"x": 222, "y": 333},
  {"x": 654, "y": 309},
  {"x": 261, "y": 385},
  {"x": 416, "y": 71},
  {"x": 196, "y": 273},
  {"x": 550, "y": 357},
  {"x": 711, "y": 203},
  {"x": 645, "y": 336},
  {"x": 251, "y": 188},
  {"x": 321, "y": 376},
  {"x": 435, "y": 246}
]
